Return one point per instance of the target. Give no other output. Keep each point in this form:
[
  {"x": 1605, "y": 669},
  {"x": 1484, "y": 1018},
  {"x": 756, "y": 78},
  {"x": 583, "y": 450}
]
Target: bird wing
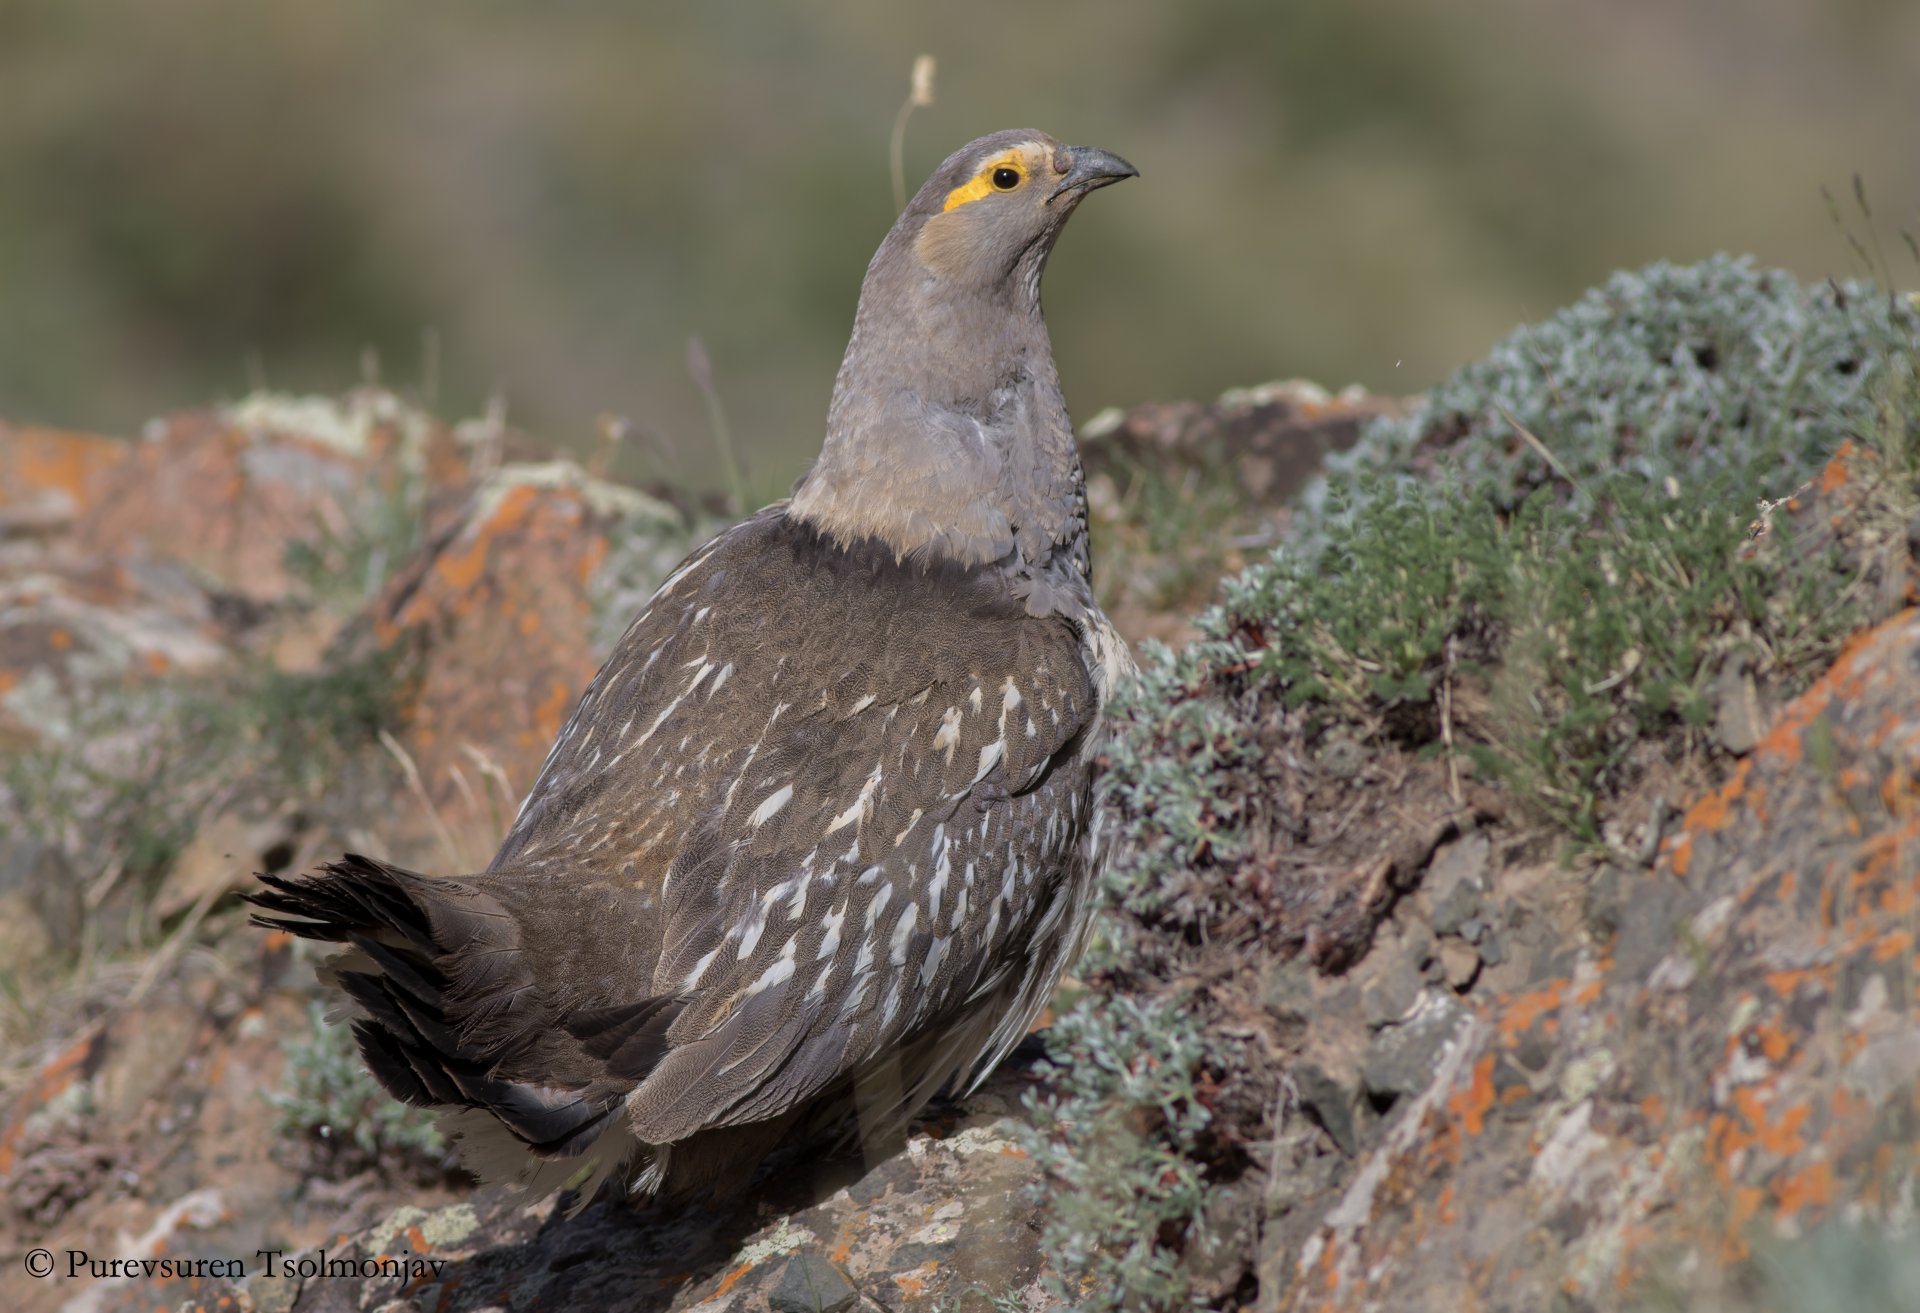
[{"x": 848, "y": 793}]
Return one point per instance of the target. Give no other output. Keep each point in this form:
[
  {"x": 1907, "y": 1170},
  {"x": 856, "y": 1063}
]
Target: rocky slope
[{"x": 1393, "y": 1011}]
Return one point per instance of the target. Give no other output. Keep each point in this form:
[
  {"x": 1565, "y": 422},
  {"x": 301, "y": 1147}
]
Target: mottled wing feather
[{"x": 849, "y": 795}]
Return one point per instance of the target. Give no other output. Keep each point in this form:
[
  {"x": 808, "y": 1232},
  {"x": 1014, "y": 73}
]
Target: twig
[
  {"x": 700, "y": 367},
  {"x": 419, "y": 788},
  {"x": 919, "y": 93},
  {"x": 493, "y": 770},
  {"x": 1540, "y": 447},
  {"x": 1446, "y": 726}
]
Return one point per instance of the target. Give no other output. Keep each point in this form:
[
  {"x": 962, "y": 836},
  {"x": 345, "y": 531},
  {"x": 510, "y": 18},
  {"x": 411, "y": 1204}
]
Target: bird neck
[{"x": 947, "y": 435}]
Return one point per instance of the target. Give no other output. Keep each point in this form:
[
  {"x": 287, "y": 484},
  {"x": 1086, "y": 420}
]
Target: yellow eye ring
[{"x": 1006, "y": 172}]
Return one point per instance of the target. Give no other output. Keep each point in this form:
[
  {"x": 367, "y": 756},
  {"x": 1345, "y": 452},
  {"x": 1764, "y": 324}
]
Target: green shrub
[
  {"x": 1555, "y": 545},
  {"x": 336, "y": 1105},
  {"x": 1561, "y": 522},
  {"x": 1119, "y": 1138}
]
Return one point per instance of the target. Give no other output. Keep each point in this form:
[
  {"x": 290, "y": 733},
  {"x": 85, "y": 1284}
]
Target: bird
[{"x": 825, "y": 830}]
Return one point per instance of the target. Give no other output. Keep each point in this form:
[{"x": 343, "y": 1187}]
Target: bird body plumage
[{"x": 829, "y": 810}]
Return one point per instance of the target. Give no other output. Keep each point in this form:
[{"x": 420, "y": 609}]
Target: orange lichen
[
  {"x": 1725, "y": 1141},
  {"x": 1715, "y": 811},
  {"x": 1897, "y": 944},
  {"x": 1779, "y": 1137},
  {"x": 1771, "y": 1040},
  {"x": 1786, "y": 982},
  {"x": 1527, "y": 1008},
  {"x": 460, "y": 566},
  {"x": 1834, "y": 476},
  {"x": 590, "y": 559},
  {"x": 914, "y": 1284},
  {"x": 1472, "y": 1103},
  {"x": 1746, "y": 1205},
  {"x": 731, "y": 1279},
  {"x": 1811, "y": 1186},
  {"x": 51, "y": 460}
]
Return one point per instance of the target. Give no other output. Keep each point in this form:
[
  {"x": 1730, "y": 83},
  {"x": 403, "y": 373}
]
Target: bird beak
[{"x": 1092, "y": 167}]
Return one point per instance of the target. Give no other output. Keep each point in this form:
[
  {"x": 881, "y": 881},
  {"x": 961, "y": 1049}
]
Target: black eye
[{"x": 1006, "y": 179}]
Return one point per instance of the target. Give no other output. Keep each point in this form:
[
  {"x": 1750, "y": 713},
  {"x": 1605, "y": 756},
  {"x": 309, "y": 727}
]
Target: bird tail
[{"x": 452, "y": 1017}]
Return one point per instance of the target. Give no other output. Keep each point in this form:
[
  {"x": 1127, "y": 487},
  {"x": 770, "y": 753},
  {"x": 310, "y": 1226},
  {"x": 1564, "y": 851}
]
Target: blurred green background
[{"x": 200, "y": 195}]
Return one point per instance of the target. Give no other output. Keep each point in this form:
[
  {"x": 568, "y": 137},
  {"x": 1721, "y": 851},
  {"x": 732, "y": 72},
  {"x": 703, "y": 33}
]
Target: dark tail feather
[
  {"x": 451, "y": 1007},
  {"x": 631, "y": 1038}
]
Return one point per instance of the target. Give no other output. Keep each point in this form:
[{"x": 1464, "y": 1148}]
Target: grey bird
[{"x": 823, "y": 832}]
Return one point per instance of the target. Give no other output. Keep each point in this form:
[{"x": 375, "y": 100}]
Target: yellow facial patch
[{"x": 982, "y": 183}]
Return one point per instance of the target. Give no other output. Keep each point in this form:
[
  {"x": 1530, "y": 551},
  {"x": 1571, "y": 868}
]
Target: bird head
[
  {"x": 992, "y": 210},
  {"x": 947, "y": 434}
]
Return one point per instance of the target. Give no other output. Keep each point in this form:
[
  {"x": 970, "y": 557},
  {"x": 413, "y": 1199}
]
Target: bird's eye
[{"x": 1006, "y": 179}]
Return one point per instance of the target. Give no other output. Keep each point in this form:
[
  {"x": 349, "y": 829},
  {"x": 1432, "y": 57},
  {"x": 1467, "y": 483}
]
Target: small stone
[
  {"x": 1329, "y": 1102},
  {"x": 1402, "y": 1059},
  {"x": 1533, "y": 1051},
  {"x": 1462, "y": 862},
  {"x": 1604, "y": 903},
  {"x": 1493, "y": 949},
  {"x": 1417, "y": 942},
  {"x": 1456, "y": 909},
  {"x": 1287, "y": 993},
  {"x": 1461, "y": 963},
  {"x": 1386, "y": 998},
  {"x": 1737, "y": 718},
  {"x": 810, "y": 1284}
]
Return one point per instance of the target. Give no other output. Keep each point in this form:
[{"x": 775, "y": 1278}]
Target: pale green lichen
[
  {"x": 439, "y": 1228},
  {"x": 784, "y": 1239}
]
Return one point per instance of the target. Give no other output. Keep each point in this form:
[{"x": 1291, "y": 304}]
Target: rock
[
  {"x": 1738, "y": 721},
  {"x": 497, "y": 625},
  {"x": 1604, "y": 900},
  {"x": 48, "y": 477},
  {"x": 1467, "y": 859},
  {"x": 1387, "y": 997},
  {"x": 1403, "y": 1058},
  {"x": 1460, "y": 962},
  {"x": 1274, "y": 436},
  {"x": 1682, "y": 1095},
  {"x": 810, "y": 1284},
  {"x": 73, "y": 627},
  {"x": 225, "y": 491},
  {"x": 1330, "y": 1102},
  {"x": 1456, "y": 881}
]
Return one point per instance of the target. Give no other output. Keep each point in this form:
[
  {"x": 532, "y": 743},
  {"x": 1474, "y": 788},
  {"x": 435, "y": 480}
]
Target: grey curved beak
[{"x": 1092, "y": 167}]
